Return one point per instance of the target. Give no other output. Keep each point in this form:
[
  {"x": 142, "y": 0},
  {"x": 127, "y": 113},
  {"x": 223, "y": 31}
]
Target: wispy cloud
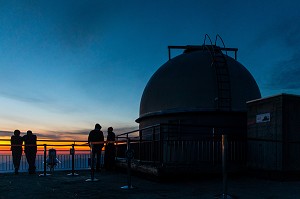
[
  {"x": 285, "y": 74},
  {"x": 284, "y": 33},
  {"x": 64, "y": 135},
  {"x": 6, "y": 133},
  {"x": 125, "y": 129},
  {"x": 79, "y": 134},
  {"x": 41, "y": 99},
  {"x": 82, "y": 21},
  {"x": 28, "y": 97},
  {"x": 74, "y": 22}
]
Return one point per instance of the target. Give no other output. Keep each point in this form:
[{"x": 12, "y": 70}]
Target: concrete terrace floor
[{"x": 59, "y": 185}]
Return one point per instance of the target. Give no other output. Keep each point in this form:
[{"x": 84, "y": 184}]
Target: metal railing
[
  {"x": 67, "y": 160},
  {"x": 172, "y": 144},
  {"x": 159, "y": 145},
  {"x": 81, "y": 163}
]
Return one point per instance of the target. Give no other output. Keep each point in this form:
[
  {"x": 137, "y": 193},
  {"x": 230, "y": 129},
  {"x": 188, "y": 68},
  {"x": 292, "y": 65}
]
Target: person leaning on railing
[
  {"x": 110, "y": 150},
  {"x": 96, "y": 141},
  {"x": 16, "y": 149},
  {"x": 30, "y": 150}
]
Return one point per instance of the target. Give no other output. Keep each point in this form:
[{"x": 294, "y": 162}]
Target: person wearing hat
[{"x": 96, "y": 142}]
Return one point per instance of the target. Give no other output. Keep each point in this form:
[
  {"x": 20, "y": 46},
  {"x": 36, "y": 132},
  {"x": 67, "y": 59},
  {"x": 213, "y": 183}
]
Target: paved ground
[{"x": 59, "y": 185}]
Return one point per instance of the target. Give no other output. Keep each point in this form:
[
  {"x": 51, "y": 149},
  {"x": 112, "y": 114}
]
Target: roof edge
[{"x": 176, "y": 111}]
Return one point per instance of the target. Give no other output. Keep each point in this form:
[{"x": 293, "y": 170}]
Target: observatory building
[
  {"x": 188, "y": 103},
  {"x": 198, "y": 96}
]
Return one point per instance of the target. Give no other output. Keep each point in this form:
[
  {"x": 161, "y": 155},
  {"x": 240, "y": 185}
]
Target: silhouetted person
[
  {"x": 96, "y": 135},
  {"x": 16, "y": 149},
  {"x": 30, "y": 150},
  {"x": 110, "y": 150}
]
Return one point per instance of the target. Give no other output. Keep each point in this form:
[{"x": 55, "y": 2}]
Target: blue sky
[{"x": 66, "y": 65}]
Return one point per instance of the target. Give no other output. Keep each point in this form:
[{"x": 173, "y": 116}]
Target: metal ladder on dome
[{"x": 220, "y": 65}]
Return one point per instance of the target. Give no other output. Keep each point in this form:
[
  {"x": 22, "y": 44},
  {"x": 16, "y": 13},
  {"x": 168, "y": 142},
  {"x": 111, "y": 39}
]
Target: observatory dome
[{"x": 188, "y": 83}]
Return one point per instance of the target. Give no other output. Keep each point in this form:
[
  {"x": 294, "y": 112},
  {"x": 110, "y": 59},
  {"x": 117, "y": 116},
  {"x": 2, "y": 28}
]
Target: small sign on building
[{"x": 265, "y": 117}]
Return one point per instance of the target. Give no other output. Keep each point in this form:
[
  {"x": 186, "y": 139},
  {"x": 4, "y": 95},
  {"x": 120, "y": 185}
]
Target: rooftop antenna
[
  {"x": 218, "y": 36},
  {"x": 224, "y": 48},
  {"x": 207, "y": 36},
  {"x": 210, "y": 48}
]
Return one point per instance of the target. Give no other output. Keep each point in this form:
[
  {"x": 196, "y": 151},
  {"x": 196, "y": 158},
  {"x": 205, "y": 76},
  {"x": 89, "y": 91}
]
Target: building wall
[
  {"x": 223, "y": 122},
  {"x": 273, "y": 133}
]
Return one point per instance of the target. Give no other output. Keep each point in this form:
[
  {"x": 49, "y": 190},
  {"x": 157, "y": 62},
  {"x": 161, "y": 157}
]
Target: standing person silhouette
[
  {"x": 30, "y": 150},
  {"x": 110, "y": 150},
  {"x": 16, "y": 149},
  {"x": 96, "y": 142}
]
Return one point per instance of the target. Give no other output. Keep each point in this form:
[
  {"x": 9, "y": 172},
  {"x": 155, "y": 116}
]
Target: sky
[{"x": 66, "y": 65}]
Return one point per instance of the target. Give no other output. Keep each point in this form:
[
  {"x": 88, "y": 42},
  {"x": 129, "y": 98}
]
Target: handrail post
[
  {"x": 140, "y": 147},
  {"x": 129, "y": 156},
  {"x": 72, "y": 152},
  {"x": 224, "y": 153},
  {"x": 45, "y": 159},
  {"x": 161, "y": 146},
  {"x": 73, "y": 162},
  {"x": 213, "y": 143},
  {"x": 117, "y": 150},
  {"x": 45, "y": 162},
  {"x": 92, "y": 164},
  {"x": 224, "y": 195},
  {"x": 129, "y": 165},
  {"x": 153, "y": 145}
]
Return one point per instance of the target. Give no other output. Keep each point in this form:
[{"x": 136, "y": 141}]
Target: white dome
[{"x": 187, "y": 83}]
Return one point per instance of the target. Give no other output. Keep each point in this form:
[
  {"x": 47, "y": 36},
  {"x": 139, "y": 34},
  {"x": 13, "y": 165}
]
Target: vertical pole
[
  {"x": 117, "y": 139},
  {"x": 213, "y": 151},
  {"x": 73, "y": 161},
  {"x": 129, "y": 156},
  {"x": 140, "y": 142},
  {"x": 161, "y": 145},
  {"x": 45, "y": 159},
  {"x": 153, "y": 145},
  {"x": 92, "y": 164},
  {"x": 45, "y": 162},
  {"x": 224, "y": 153},
  {"x": 128, "y": 165},
  {"x": 224, "y": 195}
]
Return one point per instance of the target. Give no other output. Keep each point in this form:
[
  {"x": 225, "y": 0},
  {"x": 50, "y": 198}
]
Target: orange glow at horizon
[{"x": 60, "y": 146}]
